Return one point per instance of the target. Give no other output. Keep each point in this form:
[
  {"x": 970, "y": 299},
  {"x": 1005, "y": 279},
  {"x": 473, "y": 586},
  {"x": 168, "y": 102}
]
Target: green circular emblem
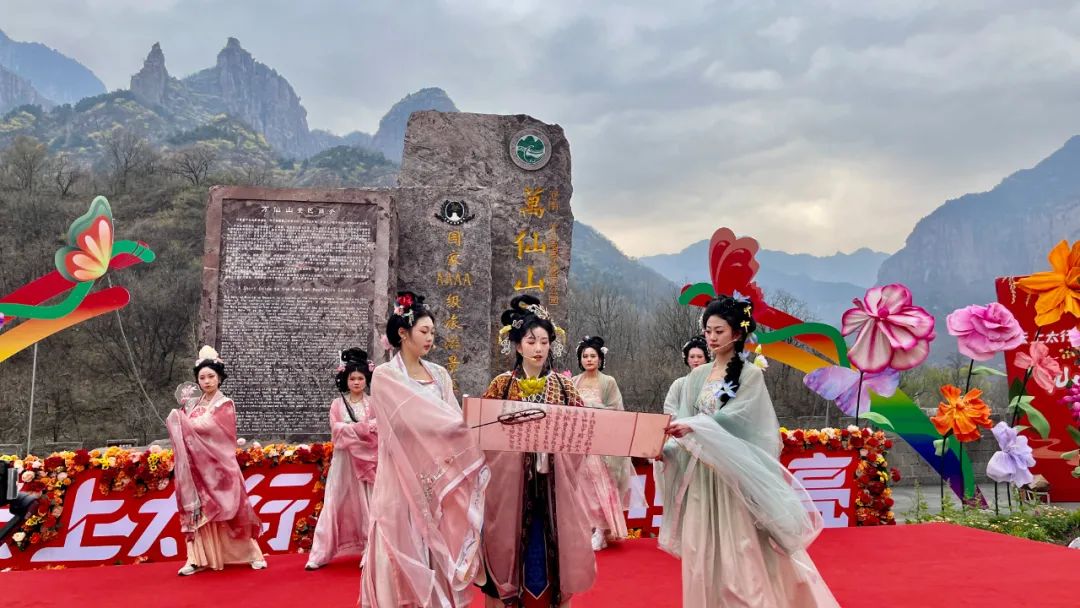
[{"x": 530, "y": 149}]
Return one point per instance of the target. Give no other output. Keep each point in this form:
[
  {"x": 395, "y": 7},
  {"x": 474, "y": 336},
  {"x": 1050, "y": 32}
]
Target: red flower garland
[{"x": 873, "y": 498}]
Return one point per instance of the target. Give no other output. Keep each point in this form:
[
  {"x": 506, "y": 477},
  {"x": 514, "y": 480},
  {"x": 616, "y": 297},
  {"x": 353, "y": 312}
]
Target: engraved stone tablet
[{"x": 290, "y": 278}]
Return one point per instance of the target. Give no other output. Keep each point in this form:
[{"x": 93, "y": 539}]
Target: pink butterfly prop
[{"x": 841, "y": 384}]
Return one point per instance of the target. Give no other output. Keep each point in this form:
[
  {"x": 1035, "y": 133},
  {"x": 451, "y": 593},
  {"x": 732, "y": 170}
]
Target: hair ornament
[{"x": 207, "y": 353}]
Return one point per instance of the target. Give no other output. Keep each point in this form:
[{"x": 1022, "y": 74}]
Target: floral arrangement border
[
  {"x": 873, "y": 476},
  {"x": 134, "y": 472}
]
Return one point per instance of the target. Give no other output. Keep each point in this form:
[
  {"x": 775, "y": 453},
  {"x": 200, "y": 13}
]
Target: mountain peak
[
  {"x": 953, "y": 255},
  {"x": 233, "y": 53},
  {"x": 155, "y": 56},
  {"x": 390, "y": 138},
  {"x": 150, "y": 84},
  {"x": 53, "y": 74}
]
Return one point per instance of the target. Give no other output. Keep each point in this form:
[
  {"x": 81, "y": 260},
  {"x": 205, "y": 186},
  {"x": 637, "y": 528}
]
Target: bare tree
[
  {"x": 193, "y": 163},
  {"x": 257, "y": 174},
  {"x": 127, "y": 154},
  {"x": 66, "y": 174},
  {"x": 25, "y": 161}
]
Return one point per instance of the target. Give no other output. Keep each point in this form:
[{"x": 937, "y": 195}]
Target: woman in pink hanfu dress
[
  {"x": 344, "y": 520},
  {"x": 427, "y": 507},
  {"x": 606, "y": 486},
  {"x": 215, "y": 516}
]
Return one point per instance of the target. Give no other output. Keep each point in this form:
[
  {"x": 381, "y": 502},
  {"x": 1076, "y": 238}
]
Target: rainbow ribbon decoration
[
  {"x": 733, "y": 267},
  {"x": 91, "y": 251}
]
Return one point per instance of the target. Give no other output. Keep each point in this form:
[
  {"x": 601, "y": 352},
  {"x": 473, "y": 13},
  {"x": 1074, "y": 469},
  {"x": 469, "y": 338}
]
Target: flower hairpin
[
  {"x": 738, "y": 297},
  {"x": 760, "y": 361},
  {"x": 340, "y": 367},
  {"x": 370, "y": 366},
  {"x": 603, "y": 350},
  {"x": 207, "y": 353}
]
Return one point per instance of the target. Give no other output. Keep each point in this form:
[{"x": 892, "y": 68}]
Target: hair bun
[
  {"x": 356, "y": 356},
  {"x": 593, "y": 341}
]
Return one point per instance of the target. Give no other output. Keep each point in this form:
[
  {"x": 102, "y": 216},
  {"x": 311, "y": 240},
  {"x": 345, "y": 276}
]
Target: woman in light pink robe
[
  {"x": 215, "y": 516},
  {"x": 606, "y": 483},
  {"x": 427, "y": 507},
  {"x": 344, "y": 520}
]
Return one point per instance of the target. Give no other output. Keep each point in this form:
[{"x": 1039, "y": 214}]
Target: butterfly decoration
[
  {"x": 841, "y": 384},
  {"x": 90, "y": 244}
]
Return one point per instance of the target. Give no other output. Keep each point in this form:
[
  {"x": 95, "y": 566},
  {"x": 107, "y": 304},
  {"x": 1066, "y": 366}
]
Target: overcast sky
[{"x": 813, "y": 126}]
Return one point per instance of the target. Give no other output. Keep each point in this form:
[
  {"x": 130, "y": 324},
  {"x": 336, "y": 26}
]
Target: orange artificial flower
[
  {"x": 1058, "y": 289},
  {"x": 961, "y": 415}
]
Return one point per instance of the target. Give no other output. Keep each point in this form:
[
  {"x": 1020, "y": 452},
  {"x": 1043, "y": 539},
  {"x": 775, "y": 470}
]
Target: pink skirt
[
  {"x": 213, "y": 548},
  {"x": 600, "y": 497}
]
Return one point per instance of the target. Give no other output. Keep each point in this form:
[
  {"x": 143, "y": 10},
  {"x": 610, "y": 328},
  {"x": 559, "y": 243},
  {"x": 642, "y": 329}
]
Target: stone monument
[
  {"x": 508, "y": 177},
  {"x": 289, "y": 278},
  {"x": 482, "y": 213}
]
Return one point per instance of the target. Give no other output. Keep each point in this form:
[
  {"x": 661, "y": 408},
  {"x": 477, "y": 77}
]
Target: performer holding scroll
[
  {"x": 537, "y": 551},
  {"x": 733, "y": 514}
]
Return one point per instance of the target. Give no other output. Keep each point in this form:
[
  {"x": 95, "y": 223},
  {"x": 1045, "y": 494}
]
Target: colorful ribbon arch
[{"x": 732, "y": 267}]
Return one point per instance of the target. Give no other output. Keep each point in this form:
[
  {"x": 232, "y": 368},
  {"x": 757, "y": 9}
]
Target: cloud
[{"x": 815, "y": 126}]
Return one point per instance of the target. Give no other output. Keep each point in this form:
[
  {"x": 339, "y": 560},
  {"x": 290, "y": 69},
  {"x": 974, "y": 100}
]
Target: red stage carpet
[{"x": 916, "y": 566}]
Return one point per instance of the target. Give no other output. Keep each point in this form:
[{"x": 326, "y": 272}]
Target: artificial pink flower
[
  {"x": 1074, "y": 335},
  {"x": 1044, "y": 368},
  {"x": 983, "y": 331},
  {"x": 892, "y": 332}
]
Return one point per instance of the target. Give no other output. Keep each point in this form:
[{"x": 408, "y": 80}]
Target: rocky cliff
[
  {"x": 16, "y": 91},
  {"x": 258, "y": 95},
  {"x": 954, "y": 254}
]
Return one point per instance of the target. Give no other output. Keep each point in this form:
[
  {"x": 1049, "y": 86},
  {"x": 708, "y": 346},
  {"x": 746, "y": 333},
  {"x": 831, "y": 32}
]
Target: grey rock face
[
  {"x": 531, "y": 221},
  {"x": 151, "y": 82},
  {"x": 390, "y": 138},
  {"x": 16, "y": 91}
]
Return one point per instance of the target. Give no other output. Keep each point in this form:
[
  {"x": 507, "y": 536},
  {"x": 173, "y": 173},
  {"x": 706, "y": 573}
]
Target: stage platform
[{"x": 899, "y": 566}]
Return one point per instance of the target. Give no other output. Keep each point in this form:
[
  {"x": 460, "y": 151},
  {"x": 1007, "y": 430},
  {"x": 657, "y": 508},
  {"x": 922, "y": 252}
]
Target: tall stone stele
[{"x": 483, "y": 214}]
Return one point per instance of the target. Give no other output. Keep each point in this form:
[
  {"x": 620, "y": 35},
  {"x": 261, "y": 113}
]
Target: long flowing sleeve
[
  {"x": 210, "y": 485},
  {"x": 671, "y": 401},
  {"x": 740, "y": 443},
  {"x": 360, "y": 440}
]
